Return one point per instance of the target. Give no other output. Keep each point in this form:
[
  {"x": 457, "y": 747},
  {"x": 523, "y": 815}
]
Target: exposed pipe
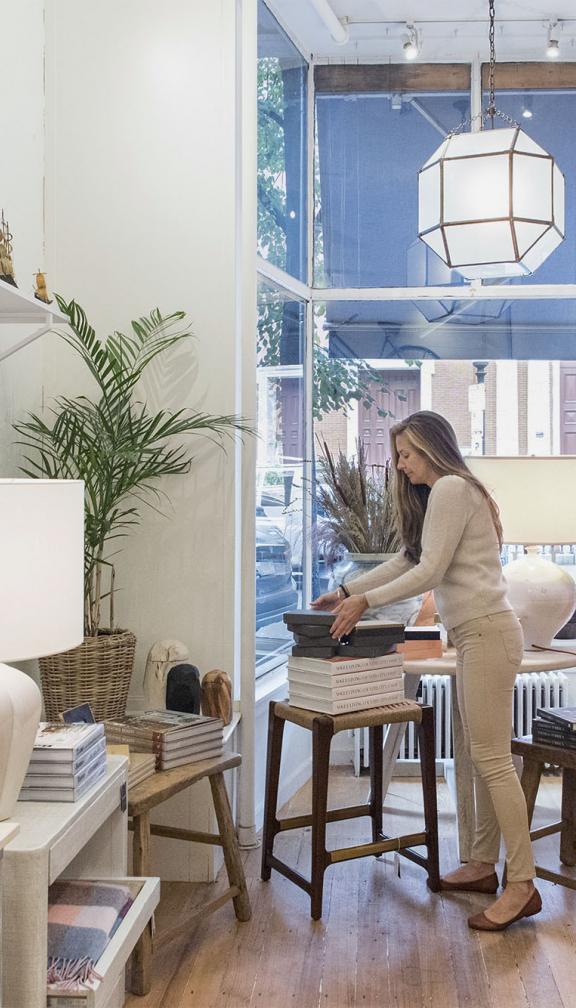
[{"x": 337, "y": 28}]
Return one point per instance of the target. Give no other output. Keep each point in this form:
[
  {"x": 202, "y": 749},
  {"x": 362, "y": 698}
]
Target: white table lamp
[
  {"x": 536, "y": 497},
  {"x": 41, "y": 606}
]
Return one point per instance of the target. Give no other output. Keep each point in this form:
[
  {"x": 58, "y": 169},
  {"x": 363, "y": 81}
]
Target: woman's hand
[
  {"x": 348, "y": 613},
  {"x": 327, "y": 601}
]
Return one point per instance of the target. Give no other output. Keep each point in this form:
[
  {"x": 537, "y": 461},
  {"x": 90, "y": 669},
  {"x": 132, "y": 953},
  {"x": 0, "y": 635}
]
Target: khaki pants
[{"x": 489, "y": 652}]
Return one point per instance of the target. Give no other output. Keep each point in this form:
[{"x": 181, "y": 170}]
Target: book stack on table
[
  {"x": 421, "y": 642},
  {"x": 67, "y": 760},
  {"x": 174, "y": 738},
  {"x": 555, "y": 726},
  {"x": 360, "y": 671}
]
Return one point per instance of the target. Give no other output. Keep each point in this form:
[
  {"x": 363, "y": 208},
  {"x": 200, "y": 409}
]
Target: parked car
[{"x": 275, "y": 588}]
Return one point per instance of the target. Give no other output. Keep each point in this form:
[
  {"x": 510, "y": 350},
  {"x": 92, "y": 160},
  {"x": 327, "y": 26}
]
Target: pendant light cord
[{"x": 491, "y": 110}]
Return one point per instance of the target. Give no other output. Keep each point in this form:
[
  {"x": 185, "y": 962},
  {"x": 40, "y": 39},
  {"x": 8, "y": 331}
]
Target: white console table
[{"x": 82, "y": 839}]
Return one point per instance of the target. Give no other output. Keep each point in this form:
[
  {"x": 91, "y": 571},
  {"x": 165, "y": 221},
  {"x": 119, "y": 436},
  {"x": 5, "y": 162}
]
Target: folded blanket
[{"x": 82, "y": 918}]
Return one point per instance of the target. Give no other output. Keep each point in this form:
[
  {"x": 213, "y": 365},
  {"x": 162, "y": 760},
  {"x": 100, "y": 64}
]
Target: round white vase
[
  {"x": 354, "y": 564},
  {"x": 542, "y": 595},
  {"x": 20, "y": 706}
]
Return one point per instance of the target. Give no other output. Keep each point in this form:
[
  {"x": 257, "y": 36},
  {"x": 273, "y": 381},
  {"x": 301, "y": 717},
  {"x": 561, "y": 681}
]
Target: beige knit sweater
[{"x": 460, "y": 559}]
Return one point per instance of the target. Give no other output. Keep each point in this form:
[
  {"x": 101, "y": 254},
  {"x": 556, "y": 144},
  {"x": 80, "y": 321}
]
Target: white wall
[
  {"x": 141, "y": 213},
  {"x": 21, "y": 198}
]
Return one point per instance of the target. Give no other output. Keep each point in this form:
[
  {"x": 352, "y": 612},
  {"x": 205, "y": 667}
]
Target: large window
[{"x": 282, "y": 88}]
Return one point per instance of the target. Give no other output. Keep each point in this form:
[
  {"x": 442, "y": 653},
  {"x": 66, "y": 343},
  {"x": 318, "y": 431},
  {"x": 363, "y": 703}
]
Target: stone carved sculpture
[
  {"x": 162, "y": 657},
  {"x": 217, "y": 695}
]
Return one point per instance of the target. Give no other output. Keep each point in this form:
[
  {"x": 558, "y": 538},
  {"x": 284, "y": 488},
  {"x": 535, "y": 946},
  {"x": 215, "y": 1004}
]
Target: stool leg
[
  {"x": 232, "y": 858},
  {"x": 376, "y": 736},
  {"x": 427, "y": 751},
  {"x": 568, "y": 831},
  {"x": 322, "y": 732},
  {"x": 141, "y": 979},
  {"x": 530, "y": 781},
  {"x": 273, "y": 758}
]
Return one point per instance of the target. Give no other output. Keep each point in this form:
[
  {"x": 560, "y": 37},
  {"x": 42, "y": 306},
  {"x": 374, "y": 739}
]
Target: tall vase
[{"x": 353, "y": 565}]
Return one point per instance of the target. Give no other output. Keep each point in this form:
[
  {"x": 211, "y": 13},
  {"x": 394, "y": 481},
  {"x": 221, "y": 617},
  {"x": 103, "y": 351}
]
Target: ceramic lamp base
[
  {"x": 20, "y": 706},
  {"x": 542, "y": 595}
]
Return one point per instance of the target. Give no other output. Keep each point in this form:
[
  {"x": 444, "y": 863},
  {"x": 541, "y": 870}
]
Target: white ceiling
[{"x": 376, "y": 28}]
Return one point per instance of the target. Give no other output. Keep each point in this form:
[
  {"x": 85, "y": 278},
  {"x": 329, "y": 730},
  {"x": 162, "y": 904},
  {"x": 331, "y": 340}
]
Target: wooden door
[
  {"x": 568, "y": 408},
  {"x": 399, "y": 395}
]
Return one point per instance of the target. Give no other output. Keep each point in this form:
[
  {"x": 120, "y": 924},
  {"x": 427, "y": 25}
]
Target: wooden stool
[
  {"x": 323, "y": 727},
  {"x": 535, "y": 756},
  {"x": 152, "y": 792}
]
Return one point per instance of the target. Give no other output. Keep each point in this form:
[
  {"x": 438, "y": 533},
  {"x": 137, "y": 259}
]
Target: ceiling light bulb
[{"x": 527, "y": 113}]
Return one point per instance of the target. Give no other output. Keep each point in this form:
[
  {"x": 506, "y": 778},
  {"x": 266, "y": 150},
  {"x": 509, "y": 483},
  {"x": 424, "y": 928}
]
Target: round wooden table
[{"x": 533, "y": 661}]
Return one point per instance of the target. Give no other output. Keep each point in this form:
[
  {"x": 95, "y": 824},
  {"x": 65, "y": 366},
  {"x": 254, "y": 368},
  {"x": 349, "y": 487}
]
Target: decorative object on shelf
[
  {"x": 357, "y": 502},
  {"x": 41, "y": 291},
  {"x": 535, "y": 498},
  {"x": 491, "y": 202},
  {"x": 41, "y": 604},
  {"x": 6, "y": 265},
  {"x": 217, "y": 695},
  {"x": 183, "y": 690},
  {"x": 162, "y": 656},
  {"x": 121, "y": 450}
]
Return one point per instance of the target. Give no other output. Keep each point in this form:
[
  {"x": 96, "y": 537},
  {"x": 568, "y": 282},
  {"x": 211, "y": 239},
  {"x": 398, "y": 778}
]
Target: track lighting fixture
[
  {"x": 553, "y": 45},
  {"x": 410, "y": 45}
]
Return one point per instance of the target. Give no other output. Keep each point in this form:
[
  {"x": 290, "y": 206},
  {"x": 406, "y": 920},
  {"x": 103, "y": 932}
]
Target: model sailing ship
[
  {"x": 6, "y": 267},
  {"x": 41, "y": 291}
]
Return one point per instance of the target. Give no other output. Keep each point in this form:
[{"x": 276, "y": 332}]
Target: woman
[{"x": 452, "y": 536}]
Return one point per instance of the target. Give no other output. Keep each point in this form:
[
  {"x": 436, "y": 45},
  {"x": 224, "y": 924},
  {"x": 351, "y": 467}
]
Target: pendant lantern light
[{"x": 491, "y": 203}]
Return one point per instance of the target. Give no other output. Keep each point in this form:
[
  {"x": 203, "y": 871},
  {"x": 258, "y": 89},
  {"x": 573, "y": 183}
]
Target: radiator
[{"x": 531, "y": 690}]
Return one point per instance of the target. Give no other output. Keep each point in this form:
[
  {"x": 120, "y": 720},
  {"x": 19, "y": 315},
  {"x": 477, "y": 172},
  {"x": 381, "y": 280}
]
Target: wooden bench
[{"x": 146, "y": 796}]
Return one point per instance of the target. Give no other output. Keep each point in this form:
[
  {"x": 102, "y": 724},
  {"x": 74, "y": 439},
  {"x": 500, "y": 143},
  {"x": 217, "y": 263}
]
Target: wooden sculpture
[{"x": 217, "y": 695}]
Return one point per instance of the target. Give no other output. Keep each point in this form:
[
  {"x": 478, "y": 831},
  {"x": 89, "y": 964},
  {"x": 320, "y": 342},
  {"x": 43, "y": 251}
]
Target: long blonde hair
[{"x": 432, "y": 436}]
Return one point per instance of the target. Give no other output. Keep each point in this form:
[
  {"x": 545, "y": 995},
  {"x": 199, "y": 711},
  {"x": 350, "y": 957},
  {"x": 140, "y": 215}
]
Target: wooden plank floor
[{"x": 383, "y": 941}]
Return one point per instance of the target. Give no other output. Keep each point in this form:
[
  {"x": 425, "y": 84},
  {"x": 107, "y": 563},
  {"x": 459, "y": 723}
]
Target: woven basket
[{"x": 97, "y": 672}]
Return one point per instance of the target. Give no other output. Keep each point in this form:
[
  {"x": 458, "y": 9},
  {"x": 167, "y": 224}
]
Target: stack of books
[
  {"x": 67, "y": 760},
  {"x": 343, "y": 685},
  {"x": 369, "y": 639},
  {"x": 421, "y": 642},
  {"x": 140, "y": 765},
  {"x": 174, "y": 737},
  {"x": 555, "y": 726}
]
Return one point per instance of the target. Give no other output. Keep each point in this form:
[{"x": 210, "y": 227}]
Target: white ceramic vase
[
  {"x": 354, "y": 564},
  {"x": 542, "y": 595},
  {"x": 20, "y": 706}
]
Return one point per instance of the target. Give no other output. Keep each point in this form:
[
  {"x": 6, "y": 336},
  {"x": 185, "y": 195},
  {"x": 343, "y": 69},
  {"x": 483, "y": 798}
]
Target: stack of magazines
[
  {"x": 67, "y": 760},
  {"x": 343, "y": 685},
  {"x": 555, "y": 726},
  {"x": 174, "y": 738}
]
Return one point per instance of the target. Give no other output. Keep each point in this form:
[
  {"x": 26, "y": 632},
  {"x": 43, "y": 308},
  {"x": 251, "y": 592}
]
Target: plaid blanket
[{"x": 82, "y": 917}]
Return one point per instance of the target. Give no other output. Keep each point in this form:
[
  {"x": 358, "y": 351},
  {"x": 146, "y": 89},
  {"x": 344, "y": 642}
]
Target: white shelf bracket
[{"x": 29, "y": 339}]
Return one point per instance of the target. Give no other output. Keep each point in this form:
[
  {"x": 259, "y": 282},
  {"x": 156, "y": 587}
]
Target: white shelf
[
  {"x": 16, "y": 307},
  {"x": 8, "y": 831}
]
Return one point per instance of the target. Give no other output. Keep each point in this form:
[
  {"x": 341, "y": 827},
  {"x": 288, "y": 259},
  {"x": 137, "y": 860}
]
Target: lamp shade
[
  {"x": 491, "y": 203},
  {"x": 535, "y": 496},
  {"x": 41, "y": 567}
]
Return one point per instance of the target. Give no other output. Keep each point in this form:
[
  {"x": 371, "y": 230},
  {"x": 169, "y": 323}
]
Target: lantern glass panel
[
  {"x": 558, "y": 183},
  {"x": 486, "y": 242},
  {"x": 476, "y": 188},
  {"x": 532, "y": 187},
  {"x": 429, "y": 199},
  {"x": 438, "y": 153},
  {"x": 527, "y": 234},
  {"x": 542, "y": 249},
  {"x": 436, "y": 242},
  {"x": 526, "y": 144},
  {"x": 483, "y": 142}
]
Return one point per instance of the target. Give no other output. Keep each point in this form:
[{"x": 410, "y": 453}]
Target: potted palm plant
[
  {"x": 121, "y": 450},
  {"x": 359, "y": 529}
]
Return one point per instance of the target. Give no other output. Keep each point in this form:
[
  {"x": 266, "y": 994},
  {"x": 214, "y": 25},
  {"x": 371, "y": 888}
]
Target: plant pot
[
  {"x": 353, "y": 565},
  {"x": 97, "y": 672}
]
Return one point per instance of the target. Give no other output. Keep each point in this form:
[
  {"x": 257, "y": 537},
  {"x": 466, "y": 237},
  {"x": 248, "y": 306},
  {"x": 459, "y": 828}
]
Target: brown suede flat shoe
[
  {"x": 488, "y": 884},
  {"x": 480, "y": 922}
]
